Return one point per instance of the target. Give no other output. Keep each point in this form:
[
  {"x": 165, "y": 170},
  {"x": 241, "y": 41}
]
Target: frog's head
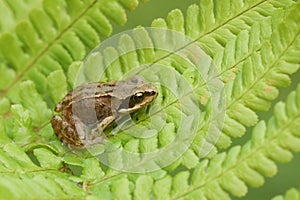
[{"x": 134, "y": 94}]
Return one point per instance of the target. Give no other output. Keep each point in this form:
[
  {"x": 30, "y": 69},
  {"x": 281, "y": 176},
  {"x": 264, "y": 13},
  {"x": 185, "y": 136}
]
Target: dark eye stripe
[{"x": 150, "y": 93}]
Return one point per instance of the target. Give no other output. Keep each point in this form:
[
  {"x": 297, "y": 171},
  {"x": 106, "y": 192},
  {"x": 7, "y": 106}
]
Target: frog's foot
[{"x": 66, "y": 132}]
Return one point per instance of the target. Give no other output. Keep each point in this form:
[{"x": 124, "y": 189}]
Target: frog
[{"x": 87, "y": 110}]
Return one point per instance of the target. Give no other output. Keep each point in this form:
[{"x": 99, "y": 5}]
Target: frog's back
[{"x": 85, "y": 91}]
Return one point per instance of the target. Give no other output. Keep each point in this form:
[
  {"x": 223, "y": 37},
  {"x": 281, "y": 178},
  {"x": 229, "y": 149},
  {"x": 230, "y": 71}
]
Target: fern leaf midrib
[
  {"x": 44, "y": 51},
  {"x": 260, "y": 78},
  {"x": 248, "y": 157},
  {"x": 29, "y": 171}
]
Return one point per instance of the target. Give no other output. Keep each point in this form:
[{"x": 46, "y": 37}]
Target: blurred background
[{"x": 288, "y": 174}]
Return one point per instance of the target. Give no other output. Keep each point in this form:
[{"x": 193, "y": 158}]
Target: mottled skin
[{"x": 89, "y": 109}]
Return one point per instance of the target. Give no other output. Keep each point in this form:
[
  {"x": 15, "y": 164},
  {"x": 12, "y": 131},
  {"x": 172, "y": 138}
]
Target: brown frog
[{"x": 90, "y": 108}]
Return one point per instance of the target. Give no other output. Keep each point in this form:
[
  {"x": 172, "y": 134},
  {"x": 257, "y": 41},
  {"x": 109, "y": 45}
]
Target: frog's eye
[{"x": 138, "y": 97}]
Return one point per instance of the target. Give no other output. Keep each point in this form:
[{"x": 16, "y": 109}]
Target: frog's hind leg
[{"x": 65, "y": 132}]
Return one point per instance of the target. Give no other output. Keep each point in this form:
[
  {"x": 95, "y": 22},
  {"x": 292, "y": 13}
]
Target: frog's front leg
[
  {"x": 97, "y": 133},
  {"x": 67, "y": 132}
]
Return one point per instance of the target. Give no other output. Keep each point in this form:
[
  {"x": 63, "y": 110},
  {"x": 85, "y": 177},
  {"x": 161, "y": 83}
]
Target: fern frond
[
  {"x": 230, "y": 172},
  {"x": 254, "y": 53},
  {"x": 21, "y": 178},
  {"x": 255, "y": 86},
  {"x": 115, "y": 70}
]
